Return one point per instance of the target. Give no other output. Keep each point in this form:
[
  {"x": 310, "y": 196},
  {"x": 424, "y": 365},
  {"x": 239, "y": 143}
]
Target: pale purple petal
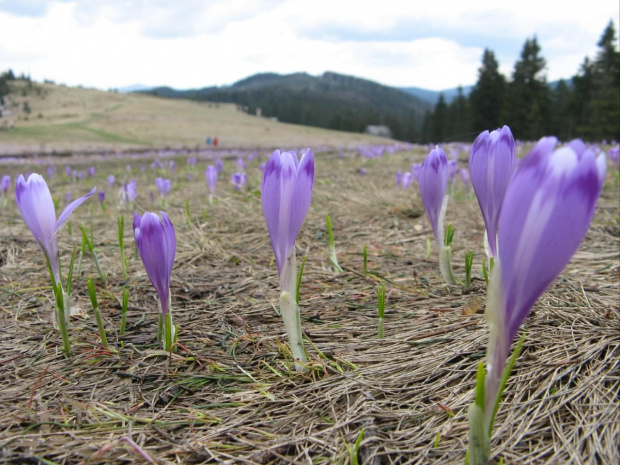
[{"x": 62, "y": 219}]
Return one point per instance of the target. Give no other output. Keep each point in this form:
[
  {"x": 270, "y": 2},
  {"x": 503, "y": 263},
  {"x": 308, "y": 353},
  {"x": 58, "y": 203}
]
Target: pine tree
[
  {"x": 487, "y": 96},
  {"x": 562, "y": 125},
  {"x": 459, "y": 118},
  {"x": 527, "y": 106}
]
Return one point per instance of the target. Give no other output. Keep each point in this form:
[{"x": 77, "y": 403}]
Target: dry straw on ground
[{"x": 228, "y": 395}]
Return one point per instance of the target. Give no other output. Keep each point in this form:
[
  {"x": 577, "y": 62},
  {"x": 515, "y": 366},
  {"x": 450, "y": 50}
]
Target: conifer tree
[{"x": 487, "y": 96}]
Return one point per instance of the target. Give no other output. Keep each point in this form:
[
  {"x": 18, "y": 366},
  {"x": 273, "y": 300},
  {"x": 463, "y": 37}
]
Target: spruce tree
[
  {"x": 487, "y": 96},
  {"x": 440, "y": 120},
  {"x": 527, "y": 106}
]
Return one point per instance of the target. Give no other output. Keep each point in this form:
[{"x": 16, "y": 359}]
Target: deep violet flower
[
  {"x": 36, "y": 206},
  {"x": 491, "y": 165},
  {"x": 5, "y": 184},
  {"x": 238, "y": 180},
  {"x": 211, "y": 177},
  {"x": 163, "y": 186}
]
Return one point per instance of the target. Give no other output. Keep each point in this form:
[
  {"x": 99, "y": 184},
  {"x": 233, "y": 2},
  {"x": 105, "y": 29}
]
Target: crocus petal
[
  {"x": 433, "y": 182},
  {"x": 601, "y": 166},
  {"x": 62, "y": 219},
  {"x": 491, "y": 165},
  {"x": 547, "y": 210}
]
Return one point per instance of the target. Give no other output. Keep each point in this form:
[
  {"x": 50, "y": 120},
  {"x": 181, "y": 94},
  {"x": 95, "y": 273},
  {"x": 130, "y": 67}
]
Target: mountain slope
[{"x": 331, "y": 100}]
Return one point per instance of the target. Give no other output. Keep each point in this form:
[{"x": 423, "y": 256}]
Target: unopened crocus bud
[
  {"x": 491, "y": 165},
  {"x": 111, "y": 180},
  {"x": 5, "y": 184},
  {"x": 286, "y": 196},
  {"x": 433, "y": 181},
  {"x": 163, "y": 186},
  {"x": 211, "y": 177},
  {"x": 546, "y": 213}
]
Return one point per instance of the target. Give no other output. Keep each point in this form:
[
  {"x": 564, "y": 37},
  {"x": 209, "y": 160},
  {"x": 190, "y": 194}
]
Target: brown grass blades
[{"x": 229, "y": 393}]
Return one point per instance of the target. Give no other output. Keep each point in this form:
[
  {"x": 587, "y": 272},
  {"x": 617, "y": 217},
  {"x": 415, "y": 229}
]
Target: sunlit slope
[{"x": 64, "y": 118}]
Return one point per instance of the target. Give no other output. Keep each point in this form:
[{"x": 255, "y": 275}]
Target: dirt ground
[{"x": 228, "y": 395}]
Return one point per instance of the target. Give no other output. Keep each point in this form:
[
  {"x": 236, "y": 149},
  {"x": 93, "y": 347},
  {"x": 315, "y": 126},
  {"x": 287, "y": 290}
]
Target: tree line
[{"x": 587, "y": 106}]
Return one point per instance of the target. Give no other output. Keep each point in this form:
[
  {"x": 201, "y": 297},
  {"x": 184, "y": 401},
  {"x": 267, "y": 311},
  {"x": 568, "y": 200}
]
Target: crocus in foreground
[
  {"x": 157, "y": 246},
  {"x": 211, "y": 177},
  {"x": 491, "y": 164},
  {"x": 547, "y": 210},
  {"x": 36, "y": 206},
  {"x": 286, "y": 196},
  {"x": 433, "y": 182}
]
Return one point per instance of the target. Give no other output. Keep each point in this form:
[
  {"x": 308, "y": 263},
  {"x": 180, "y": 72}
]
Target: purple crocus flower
[
  {"x": 614, "y": 154},
  {"x": 92, "y": 171},
  {"x": 465, "y": 178},
  {"x": 51, "y": 171},
  {"x": 546, "y": 213},
  {"x": 111, "y": 180},
  {"x": 191, "y": 161},
  {"x": 241, "y": 164},
  {"x": 68, "y": 170},
  {"x": 491, "y": 165},
  {"x": 406, "y": 180},
  {"x": 5, "y": 184},
  {"x": 238, "y": 180},
  {"x": 36, "y": 206},
  {"x": 67, "y": 197},
  {"x": 433, "y": 181},
  {"x": 399, "y": 178},
  {"x": 362, "y": 172},
  {"x": 163, "y": 186},
  {"x": 130, "y": 191},
  {"x": 211, "y": 177},
  {"x": 219, "y": 165},
  {"x": 101, "y": 196},
  {"x": 262, "y": 166},
  {"x": 286, "y": 196},
  {"x": 157, "y": 245}
]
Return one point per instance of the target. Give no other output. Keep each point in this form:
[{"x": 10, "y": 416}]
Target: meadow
[{"x": 229, "y": 393}]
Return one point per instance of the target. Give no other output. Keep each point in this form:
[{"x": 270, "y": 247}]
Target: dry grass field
[
  {"x": 65, "y": 119},
  {"x": 227, "y": 394}
]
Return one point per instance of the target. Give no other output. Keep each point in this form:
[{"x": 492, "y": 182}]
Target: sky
[{"x": 184, "y": 44}]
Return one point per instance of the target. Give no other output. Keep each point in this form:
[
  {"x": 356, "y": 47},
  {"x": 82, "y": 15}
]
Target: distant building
[{"x": 376, "y": 130}]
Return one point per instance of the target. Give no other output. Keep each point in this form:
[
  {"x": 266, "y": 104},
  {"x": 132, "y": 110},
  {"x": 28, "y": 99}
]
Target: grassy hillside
[{"x": 64, "y": 118}]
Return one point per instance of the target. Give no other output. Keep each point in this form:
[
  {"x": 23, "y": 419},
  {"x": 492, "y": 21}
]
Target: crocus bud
[
  {"x": 5, "y": 183},
  {"x": 491, "y": 165},
  {"x": 157, "y": 246},
  {"x": 433, "y": 181},
  {"x": 286, "y": 196},
  {"x": 547, "y": 210},
  {"x": 211, "y": 177},
  {"x": 36, "y": 206}
]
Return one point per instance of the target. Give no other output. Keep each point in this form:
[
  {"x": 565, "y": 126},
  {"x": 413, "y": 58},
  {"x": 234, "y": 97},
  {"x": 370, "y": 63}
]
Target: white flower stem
[
  {"x": 290, "y": 311},
  {"x": 445, "y": 264}
]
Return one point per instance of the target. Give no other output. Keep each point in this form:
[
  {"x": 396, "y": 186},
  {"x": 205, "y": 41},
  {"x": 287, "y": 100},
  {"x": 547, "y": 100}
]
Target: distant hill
[
  {"x": 332, "y": 100},
  {"x": 133, "y": 88},
  {"x": 431, "y": 96}
]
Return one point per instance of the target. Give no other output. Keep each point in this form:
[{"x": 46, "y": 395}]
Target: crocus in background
[
  {"x": 101, "y": 196},
  {"x": 92, "y": 171},
  {"x": 238, "y": 180},
  {"x": 219, "y": 165},
  {"x": 465, "y": 178},
  {"x": 262, "y": 166},
  {"x": 34, "y": 202},
  {"x": 241, "y": 164},
  {"x": 157, "y": 245},
  {"x": 547, "y": 210},
  {"x": 211, "y": 177},
  {"x": 67, "y": 197},
  {"x": 286, "y": 196},
  {"x": 191, "y": 161},
  {"x": 51, "y": 171},
  {"x": 5, "y": 184},
  {"x": 614, "y": 154},
  {"x": 433, "y": 182},
  {"x": 111, "y": 180},
  {"x": 129, "y": 192},
  {"x": 491, "y": 165},
  {"x": 163, "y": 186}
]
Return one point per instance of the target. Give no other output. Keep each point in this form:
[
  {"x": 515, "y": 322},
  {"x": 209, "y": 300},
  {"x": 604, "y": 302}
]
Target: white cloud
[{"x": 193, "y": 43}]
